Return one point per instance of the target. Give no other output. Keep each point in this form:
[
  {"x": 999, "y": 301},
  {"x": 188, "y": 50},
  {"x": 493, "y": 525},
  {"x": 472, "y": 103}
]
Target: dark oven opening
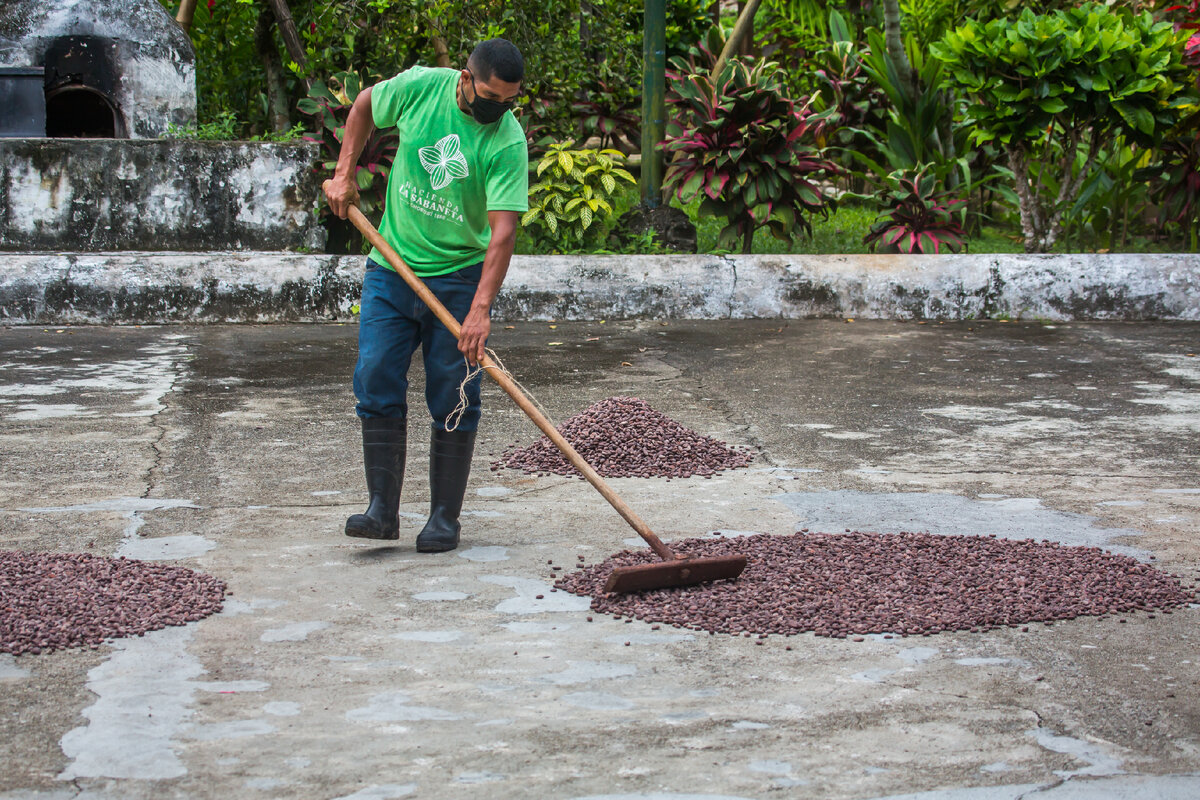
[
  {"x": 80, "y": 112},
  {"x": 81, "y": 79}
]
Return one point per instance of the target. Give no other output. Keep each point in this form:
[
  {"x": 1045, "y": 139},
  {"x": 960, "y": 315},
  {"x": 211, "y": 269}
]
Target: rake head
[{"x": 669, "y": 574}]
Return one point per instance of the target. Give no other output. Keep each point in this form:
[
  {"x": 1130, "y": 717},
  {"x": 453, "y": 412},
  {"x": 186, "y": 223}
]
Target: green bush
[
  {"x": 573, "y": 197},
  {"x": 1054, "y": 91}
]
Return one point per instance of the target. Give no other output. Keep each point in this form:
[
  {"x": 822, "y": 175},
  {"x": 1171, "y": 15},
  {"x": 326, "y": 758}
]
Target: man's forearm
[
  {"x": 495, "y": 263},
  {"x": 360, "y": 124}
]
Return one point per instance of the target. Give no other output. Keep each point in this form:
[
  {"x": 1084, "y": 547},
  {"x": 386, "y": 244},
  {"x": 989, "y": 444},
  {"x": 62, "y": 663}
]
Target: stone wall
[
  {"x": 106, "y": 194},
  {"x": 267, "y": 287}
]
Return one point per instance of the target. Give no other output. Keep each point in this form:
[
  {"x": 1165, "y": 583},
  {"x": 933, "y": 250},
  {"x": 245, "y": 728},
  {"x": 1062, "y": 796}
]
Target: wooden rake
[{"x": 674, "y": 570}]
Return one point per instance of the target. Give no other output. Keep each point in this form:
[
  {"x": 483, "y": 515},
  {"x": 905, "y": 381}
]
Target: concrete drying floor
[{"x": 343, "y": 669}]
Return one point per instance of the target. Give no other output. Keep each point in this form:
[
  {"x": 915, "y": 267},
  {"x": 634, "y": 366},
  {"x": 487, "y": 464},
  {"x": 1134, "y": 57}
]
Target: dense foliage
[
  {"x": 745, "y": 147},
  {"x": 1054, "y": 86},
  {"x": 329, "y": 105},
  {"x": 580, "y": 46},
  {"x": 1075, "y": 126}
]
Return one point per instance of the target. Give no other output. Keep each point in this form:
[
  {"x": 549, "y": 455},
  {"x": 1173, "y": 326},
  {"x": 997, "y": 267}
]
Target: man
[{"x": 457, "y": 189}]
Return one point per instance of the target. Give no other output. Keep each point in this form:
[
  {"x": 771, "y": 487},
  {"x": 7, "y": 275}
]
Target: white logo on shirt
[{"x": 444, "y": 162}]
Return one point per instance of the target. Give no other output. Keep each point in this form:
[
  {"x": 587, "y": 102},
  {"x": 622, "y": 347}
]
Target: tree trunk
[
  {"x": 746, "y": 43},
  {"x": 441, "y": 51},
  {"x": 742, "y": 31},
  {"x": 654, "y": 105},
  {"x": 585, "y": 27},
  {"x": 277, "y": 94},
  {"x": 288, "y": 32},
  {"x": 895, "y": 46},
  {"x": 1018, "y": 162},
  {"x": 187, "y": 12}
]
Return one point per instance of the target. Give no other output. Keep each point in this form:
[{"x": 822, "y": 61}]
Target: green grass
[{"x": 841, "y": 233}]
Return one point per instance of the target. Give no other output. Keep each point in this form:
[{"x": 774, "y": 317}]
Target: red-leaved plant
[
  {"x": 742, "y": 145},
  {"x": 612, "y": 115},
  {"x": 920, "y": 219},
  {"x": 1178, "y": 185},
  {"x": 544, "y": 122},
  {"x": 329, "y": 104},
  {"x": 1175, "y": 183}
]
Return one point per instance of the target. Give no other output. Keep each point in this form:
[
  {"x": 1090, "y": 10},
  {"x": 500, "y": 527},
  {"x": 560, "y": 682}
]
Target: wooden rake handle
[{"x": 507, "y": 384}]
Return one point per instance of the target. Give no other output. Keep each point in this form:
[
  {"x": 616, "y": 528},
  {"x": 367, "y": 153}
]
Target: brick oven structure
[{"x": 111, "y": 68}]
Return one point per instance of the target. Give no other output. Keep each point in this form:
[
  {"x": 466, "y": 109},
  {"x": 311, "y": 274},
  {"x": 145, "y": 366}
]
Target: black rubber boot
[
  {"x": 384, "y": 444},
  {"x": 449, "y": 466}
]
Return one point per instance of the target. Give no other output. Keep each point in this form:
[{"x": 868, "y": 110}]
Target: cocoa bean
[
  {"x": 623, "y": 437},
  {"x": 53, "y": 601},
  {"x": 852, "y": 584}
]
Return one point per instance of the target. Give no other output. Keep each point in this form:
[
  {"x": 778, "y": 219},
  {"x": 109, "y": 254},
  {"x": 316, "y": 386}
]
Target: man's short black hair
[{"x": 498, "y": 57}]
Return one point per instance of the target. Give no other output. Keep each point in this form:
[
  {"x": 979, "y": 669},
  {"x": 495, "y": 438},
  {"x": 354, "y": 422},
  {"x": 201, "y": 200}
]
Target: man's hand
[
  {"x": 341, "y": 192},
  {"x": 473, "y": 336},
  {"x": 478, "y": 324}
]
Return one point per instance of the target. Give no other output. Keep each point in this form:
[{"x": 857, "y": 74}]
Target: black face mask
[{"x": 486, "y": 111}]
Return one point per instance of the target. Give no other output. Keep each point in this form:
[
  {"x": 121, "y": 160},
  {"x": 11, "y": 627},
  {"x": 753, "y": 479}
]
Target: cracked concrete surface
[{"x": 342, "y": 669}]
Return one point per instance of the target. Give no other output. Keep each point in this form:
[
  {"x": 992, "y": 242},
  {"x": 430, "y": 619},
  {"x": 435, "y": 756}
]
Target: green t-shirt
[{"x": 448, "y": 173}]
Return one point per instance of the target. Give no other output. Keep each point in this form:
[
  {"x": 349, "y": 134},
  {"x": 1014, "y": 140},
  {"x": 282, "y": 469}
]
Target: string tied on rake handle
[{"x": 452, "y": 421}]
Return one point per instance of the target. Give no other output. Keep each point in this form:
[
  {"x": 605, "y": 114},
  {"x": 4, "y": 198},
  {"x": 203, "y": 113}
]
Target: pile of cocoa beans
[
  {"x": 854, "y": 584},
  {"x": 623, "y": 437},
  {"x": 52, "y": 601}
]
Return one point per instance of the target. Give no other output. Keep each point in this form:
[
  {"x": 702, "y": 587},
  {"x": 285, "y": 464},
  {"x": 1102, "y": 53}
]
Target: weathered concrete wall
[
  {"x": 870, "y": 287},
  {"x": 105, "y": 194},
  {"x": 153, "y": 57},
  {"x": 176, "y": 287},
  {"x": 218, "y": 287}
]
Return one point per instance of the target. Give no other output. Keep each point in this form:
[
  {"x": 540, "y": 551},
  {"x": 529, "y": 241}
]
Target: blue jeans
[{"x": 393, "y": 321}]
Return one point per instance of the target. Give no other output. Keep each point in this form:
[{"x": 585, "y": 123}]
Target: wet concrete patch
[
  {"x": 476, "y": 778},
  {"x": 1100, "y": 760},
  {"x": 598, "y": 701},
  {"x": 144, "y": 693},
  {"x": 1125, "y": 787},
  {"x": 534, "y": 597},
  {"x": 659, "y": 796},
  {"x": 748, "y": 725},
  {"x": 487, "y": 554},
  {"x": 944, "y": 514},
  {"x": 9, "y": 671},
  {"x": 589, "y": 672},
  {"x": 430, "y": 637},
  {"x": 164, "y": 548},
  {"x": 1014, "y": 792},
  {"x": 237, "y": 729},
  {"x": 390, "y": 791}
]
